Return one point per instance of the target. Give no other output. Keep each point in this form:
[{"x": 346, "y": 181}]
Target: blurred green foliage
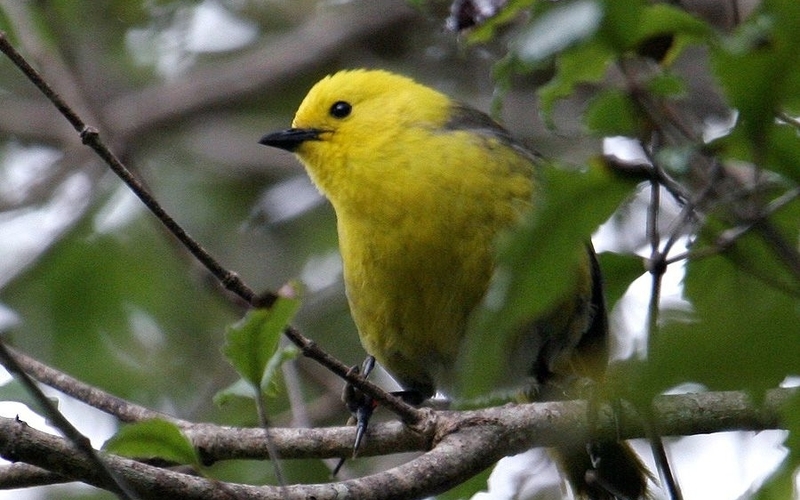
[{"x": 110, "y": 298}]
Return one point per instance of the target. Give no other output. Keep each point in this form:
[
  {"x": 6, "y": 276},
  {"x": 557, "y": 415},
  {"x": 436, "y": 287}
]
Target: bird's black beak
[{"x": 290, "y": 139}]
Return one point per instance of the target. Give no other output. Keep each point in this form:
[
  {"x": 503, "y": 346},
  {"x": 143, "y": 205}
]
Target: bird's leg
[{"x": 360, "y": 405}]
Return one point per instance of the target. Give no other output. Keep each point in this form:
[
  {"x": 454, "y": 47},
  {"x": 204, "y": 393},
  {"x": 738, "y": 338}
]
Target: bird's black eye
[{"x": 340, "y": 109}]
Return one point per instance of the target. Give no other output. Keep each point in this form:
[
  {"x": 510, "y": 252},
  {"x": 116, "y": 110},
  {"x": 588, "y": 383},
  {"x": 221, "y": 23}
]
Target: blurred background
[{"x": 182, "y": 90}]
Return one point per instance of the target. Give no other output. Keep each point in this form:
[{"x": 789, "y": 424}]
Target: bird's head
[{"x": 352, "y": 117}]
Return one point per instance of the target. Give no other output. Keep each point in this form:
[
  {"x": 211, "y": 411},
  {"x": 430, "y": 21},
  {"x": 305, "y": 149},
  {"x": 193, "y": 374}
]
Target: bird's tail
[{"x": 603, "y": 471}]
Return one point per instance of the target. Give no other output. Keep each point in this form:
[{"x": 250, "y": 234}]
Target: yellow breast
[{"x": 416, "y": 235}]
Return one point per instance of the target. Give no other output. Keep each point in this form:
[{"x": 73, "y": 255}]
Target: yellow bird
[{"x": 421, "y": 186}]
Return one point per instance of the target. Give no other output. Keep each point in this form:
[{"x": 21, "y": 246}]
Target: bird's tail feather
[{"x": 603, "y": 471}]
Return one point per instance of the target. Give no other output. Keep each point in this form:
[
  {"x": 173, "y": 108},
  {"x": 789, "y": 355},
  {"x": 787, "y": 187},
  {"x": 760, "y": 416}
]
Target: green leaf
[
  {"x": 624, "y": 24},
  {"x": 628, "y": 23},
  {"x": 620, "y": 23},
  {"x": 538, "y": 265},
  {"x": 779, "y": 152},
  {"x": 553, "y": 239},
  {"x": 613, "y": 112},
  {"x": 756, "y": 66},
  {"x": 253, "y": 341},
  {"x": 153, "y": 439},
  {"x": 783, "y": 154},
  {"x": 743, "y": 334},
  {"x": 271, "y": 372},
  {"x": 765, "y": 251},
  {"x": 241, "y": 389},
  {"x": 666, "y": 85},
  {"x": 584, "y": 63},
  {"x": 487, "y": 31},
  {"x": 619, "y": 271},
  {"x": 661, "y": 19}
]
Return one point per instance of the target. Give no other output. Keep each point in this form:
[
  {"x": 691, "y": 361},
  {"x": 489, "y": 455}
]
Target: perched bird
[{"x": 421, "y": 186}]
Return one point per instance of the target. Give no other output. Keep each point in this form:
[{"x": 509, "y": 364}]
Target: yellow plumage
[
  {"x": 418, "y": 206},
  {"x": 421, "y": 186}
]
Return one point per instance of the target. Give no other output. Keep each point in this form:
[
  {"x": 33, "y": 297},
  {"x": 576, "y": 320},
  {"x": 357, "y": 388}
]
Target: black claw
[
  {"x": 361, "y": 406},
  {"x": 362, "y": 416}
]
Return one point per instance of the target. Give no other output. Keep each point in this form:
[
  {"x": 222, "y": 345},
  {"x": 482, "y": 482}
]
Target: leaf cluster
[{"x": 710, "y": 107}]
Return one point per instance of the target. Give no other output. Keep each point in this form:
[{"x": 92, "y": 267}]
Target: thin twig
[
  {"x": 735, "y": 14},
  {"x": 654, "y": 437},
  {"x": 729, "y": 236},
  {"x": 309, "y": 348},
  {"x": 91, "y": 137},
  {"x": 112, "y": 481},
  {"x": 263, "y": 420},
  {"x": 130, "y": 412},
  {"x": 689, "y": 212},
  {"x": 656, "y": 264},
  {"x": 657, "y": 267},
  {"x": 230, "y": 280},
  {"x": 788, "y": 119},
  {"x": 123, "y": 410},
  {"x": 21, "y": 475}
]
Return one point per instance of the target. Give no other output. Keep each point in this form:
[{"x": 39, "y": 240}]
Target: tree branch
[
  {"x": 110, "y": 480},
  {"x": 22, "y": 475},
  {"x": 321, "y": 37},
  {"x": 123, "y": 410},
  {"x": 461, "y": 443}
]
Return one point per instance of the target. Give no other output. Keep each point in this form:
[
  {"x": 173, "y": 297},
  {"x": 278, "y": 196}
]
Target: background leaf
[
  {"x": 612, "y": 112},
  {"x": 619, "y": 271},
  {"x": 253, "y": 342},
  {"x": 753, "y": 66},
  {"x": 153, "y": 439},
  {"x": 183, "y": 90},
  {"x": 738, "y": 322}
]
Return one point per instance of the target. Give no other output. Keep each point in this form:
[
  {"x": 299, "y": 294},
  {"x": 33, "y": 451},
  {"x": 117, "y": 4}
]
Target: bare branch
[
  {"x": 46, "y": 55},
  {"x": 464, "y": 444},
  {"x": 320, "y": 38},
  {"x": 110, "y": 480},
  {"x": 124, "y": 410},
  {"x": 22, "y": 475}
]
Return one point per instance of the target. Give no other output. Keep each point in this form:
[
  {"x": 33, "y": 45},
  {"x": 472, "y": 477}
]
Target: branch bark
[{"x": 460, "y": 445}]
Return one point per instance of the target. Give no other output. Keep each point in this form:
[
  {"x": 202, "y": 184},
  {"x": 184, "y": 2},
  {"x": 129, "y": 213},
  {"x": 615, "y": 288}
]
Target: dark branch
[
  {"x": 124, "y": 410},
  {"x": 108, "y": 478},
  {"x": 464, "y": 443}
]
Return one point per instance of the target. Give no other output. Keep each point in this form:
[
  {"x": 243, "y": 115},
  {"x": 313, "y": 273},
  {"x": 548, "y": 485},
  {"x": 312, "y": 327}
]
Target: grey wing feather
[{"x": 463, "y": 117}]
